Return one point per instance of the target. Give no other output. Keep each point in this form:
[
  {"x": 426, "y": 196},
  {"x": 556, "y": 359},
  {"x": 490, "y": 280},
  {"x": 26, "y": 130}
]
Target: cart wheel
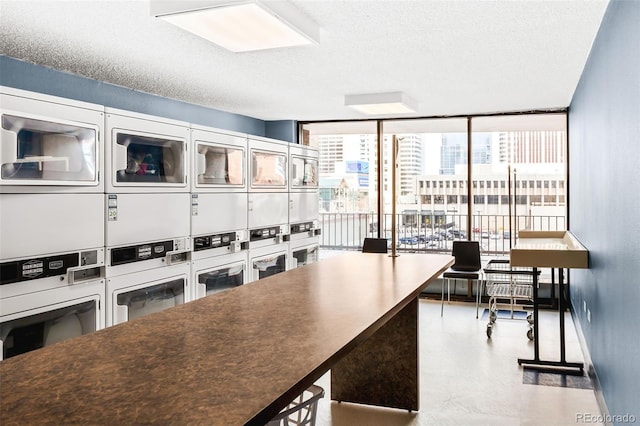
[
  {"x": 530, "y": 334},
  {"x": 530, "y": 318},
  {"x": 489, "y": 329}
]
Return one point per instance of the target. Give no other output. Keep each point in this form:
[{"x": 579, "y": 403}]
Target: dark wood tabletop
[{"x": 233, "y": 358}]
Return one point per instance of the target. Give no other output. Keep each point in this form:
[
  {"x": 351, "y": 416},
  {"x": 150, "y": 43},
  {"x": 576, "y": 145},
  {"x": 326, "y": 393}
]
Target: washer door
[
  {"x": 222, "y": 278},
  {"x": 37, "y": 330},
  {"x": 147, "y": 300}
]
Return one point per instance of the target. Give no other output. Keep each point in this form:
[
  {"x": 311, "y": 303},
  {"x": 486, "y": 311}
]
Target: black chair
[
  {"x": 467, "y": 266},
  {"x": 375, "y": 245}
]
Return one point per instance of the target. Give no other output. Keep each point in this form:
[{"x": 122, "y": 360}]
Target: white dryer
[
  {"x": 219, "y": 192},
  {"x": 35, "y": 320},
  {"x": 219, "y": 161},
  {"x": 145, "y": 231},
  {"x": 35, "y": 225},
  {"x": 49, "y": 144},
  {"x": 145, "y": 292},
  {"x": 268, "y": 188},
  {"x": 303, "y": 185},
  {"x": 145, "y": 153}
]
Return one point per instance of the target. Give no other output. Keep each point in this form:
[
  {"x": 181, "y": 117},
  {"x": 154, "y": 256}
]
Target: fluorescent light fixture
[
  {"x": 241, "y": 26},
  {"x": 381, "y": 103}
]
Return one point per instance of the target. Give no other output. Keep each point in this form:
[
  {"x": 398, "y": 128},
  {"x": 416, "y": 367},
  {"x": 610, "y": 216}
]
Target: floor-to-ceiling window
[
  {"x": 518, "y": 177},
  {"x": 348, "y": 184},
  {"x": 431, "y": 167},
  {"x": 481, "y": 178}
]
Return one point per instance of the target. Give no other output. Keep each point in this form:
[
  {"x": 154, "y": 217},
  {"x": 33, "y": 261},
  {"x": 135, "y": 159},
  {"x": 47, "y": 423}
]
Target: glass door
[
  {"x": 219, "y": 165},
  {"x": 304, "y": 172},
  {"x": 150, "y": 160},
  {"x": 268, "y": 169},
  {"x": 41, "y": 152}
]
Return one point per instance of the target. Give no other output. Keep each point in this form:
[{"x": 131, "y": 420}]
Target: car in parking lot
[{"x": 411, "y": 240}]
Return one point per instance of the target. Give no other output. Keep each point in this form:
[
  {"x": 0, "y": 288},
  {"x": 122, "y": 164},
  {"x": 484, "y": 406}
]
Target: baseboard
[{"x": 591, "y": 371}]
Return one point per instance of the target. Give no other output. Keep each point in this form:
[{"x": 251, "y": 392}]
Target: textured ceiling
[{"x": 453, "y": 57}]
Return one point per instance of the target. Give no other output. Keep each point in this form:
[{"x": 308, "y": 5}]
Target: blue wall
[
  {"x": 23, "y": 75},
  {"x": 604, "y": 205}
]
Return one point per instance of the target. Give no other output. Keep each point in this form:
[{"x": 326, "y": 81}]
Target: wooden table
[{"x": 240, "y": 356}]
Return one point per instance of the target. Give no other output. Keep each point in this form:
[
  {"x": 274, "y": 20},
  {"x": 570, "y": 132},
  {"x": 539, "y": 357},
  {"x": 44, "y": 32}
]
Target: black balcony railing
[{"x": 346, "y": 231}]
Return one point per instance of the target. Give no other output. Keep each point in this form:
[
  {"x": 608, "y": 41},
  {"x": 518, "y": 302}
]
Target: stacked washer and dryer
[
  {"x": 147, "y": 227},
  {"x": 218, "y": 203},
  {"x": 304, "y": 240},
  {"x": 108, "y": 215},
  {"x": 268, "y": 208},
  {"x": 52, "y": 257}
]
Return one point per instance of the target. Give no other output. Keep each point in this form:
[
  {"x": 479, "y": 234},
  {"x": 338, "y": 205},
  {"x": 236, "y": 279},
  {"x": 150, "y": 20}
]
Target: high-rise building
[
  {"x": 331, "y": 151},
  {"x": 532, "y": 147},
  {"x": 453, "y": 151}
]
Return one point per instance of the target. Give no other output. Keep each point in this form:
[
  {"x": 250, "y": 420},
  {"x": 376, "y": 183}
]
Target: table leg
[
  {"x": 383, "y": 370},
  {"x": 561, "y": 366}
]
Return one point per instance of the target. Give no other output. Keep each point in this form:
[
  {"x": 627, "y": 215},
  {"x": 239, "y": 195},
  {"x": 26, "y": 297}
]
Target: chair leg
[
  {"x": 478, "y": 294},
  {"x": 442, "y": 295}
]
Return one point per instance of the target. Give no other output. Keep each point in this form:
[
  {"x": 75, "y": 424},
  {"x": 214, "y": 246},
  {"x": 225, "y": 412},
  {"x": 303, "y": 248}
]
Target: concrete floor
[{"x": 467, "y": 379}]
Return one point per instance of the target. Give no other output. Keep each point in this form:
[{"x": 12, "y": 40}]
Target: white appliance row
[
  {"x": 108, "y": 215},
  {"x": 51, "y": 144}
]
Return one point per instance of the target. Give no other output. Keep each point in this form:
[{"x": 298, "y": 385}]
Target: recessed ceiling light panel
[
  {"x": 381, "y": 103},
  {"x": 242, "y": 26}
]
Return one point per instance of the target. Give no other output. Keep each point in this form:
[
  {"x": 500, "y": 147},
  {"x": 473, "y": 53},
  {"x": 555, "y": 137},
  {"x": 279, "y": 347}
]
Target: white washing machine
[
  {"x": 145, "y": 153},
  {"x": 267, "y": 256},
  {"x": 35, "y": 320},
  {"x": 145, "y": 292},
  {"x": 56, "y": 294},
  {"x": 219, "y": 273},
  {"x": 49, "y": 144},
  {"x": 304, "y": 245},
  {"x": 219, "y": 192},
  {"x": 29, "y": 275}
]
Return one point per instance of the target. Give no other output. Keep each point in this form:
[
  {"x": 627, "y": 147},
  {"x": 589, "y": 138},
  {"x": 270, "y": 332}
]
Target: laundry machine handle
[
  {"x": 177, "y": 256},
  {"x": 120, "y": 157},
  {"x": 9, "y": 148},
  {"x": 82, "y": 273}
]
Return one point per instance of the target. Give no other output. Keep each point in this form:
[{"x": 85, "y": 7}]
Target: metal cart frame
[
  {"x": 508, "y": 284},
  {"x": 302, "y": 410}
]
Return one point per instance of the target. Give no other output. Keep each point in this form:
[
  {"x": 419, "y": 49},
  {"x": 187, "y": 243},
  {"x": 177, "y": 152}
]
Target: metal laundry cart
[
  {"x": 302, "y": 410},
  {"x": 510, "y": 285}
]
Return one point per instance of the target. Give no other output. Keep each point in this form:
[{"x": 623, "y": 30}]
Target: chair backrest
[
  {"x": 467, "y": 254},
  {"x": 375, "y": 245}
]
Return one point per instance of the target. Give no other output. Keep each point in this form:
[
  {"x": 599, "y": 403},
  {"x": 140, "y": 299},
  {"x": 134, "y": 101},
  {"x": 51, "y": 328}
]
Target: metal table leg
[{"x": 561, "y": 366}]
